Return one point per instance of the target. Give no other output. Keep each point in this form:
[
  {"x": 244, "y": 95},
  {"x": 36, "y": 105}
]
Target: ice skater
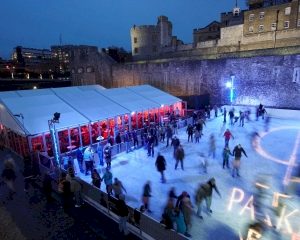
[
  {"x": 227, "y": 136},
  {"x": 203, "y": 163},
  {"x": 179, "y": 156},
  {"x": 237, "y": 152},
  {"x": 190, "y": 132},
  {"x": 147, "y": 195},
  {"x": 212, "y": 146},
  {"x": 161, "y": 166},
  {"x": 204, "y": 192},
  {"x": 226, "y": 153}
]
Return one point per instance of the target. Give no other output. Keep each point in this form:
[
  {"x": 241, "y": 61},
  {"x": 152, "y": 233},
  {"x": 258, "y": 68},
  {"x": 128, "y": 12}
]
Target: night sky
[{"x": 103, "y": 23}]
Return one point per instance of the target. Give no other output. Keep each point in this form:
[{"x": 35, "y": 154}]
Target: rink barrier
[{"x": 147, "y": 228}]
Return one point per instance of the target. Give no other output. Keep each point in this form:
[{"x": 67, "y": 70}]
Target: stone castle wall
[{"x": 271, "y": 80}]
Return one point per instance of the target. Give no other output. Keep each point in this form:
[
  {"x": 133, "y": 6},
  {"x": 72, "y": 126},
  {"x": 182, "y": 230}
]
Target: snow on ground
[{"x": 276, "y": 150}]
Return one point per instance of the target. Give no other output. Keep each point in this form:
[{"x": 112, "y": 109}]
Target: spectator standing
[
  {"x": 9, "y": 176},
  {"x": 96, "y": 179},
  {"x": 123, "y": 213},
  {"x": 88, "y": 157},
  {"x": 107, "y": 178}
]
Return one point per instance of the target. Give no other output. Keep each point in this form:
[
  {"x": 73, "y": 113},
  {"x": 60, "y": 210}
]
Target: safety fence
[{"x": 140, "y": 224}]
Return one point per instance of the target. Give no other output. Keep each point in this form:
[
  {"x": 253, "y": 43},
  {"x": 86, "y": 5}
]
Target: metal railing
[{"x": 146, "y": 228}]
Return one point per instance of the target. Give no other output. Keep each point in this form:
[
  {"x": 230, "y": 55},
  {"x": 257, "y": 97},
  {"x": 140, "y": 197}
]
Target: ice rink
[{"x": 273, "y": 163}]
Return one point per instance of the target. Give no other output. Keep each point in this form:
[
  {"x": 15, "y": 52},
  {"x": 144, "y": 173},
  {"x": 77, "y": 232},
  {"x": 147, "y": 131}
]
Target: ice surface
[{"x": 135, "y": 168}]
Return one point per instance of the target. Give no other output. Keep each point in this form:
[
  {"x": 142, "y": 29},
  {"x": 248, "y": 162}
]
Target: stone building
[
  {"x": 266, "y": 65},
  {"x": 61, "y": 59},
  {"x": 149, "y": 40},
  {"x": 89, "y": 66},
  {"x": 210, "y": 32}
]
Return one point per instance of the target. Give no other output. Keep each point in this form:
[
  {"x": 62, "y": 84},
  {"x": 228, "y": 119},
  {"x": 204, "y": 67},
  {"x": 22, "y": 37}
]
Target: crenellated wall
[{"x": 271, "y": 80}]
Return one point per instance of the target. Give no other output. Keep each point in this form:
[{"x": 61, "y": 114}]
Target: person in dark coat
[
  {"x": 179, "y": 156},
  {"x": 190, "y": 132},
  {"x": 47, "y": 187},
  {"x": 237, "y": 152},
  {"x": 224, "y": 114},
  {"x": 147, "y": 195},
  {"x": 96, "y": 179},
  {"x": 9, "y": 176},
  {"x": 169, "y": 134},
  {"x": 231, "y": 116},
  {"x": 161, "y": 166},
  {"x": 175, "y": 143},
  {"x": 150, "y": 145},
  {"x": 123, "y": 213}
]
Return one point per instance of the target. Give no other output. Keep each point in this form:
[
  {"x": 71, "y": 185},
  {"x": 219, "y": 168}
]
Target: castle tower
[
  {"x": 144, "y": 40},
  {"x": 165, "y": 29}
]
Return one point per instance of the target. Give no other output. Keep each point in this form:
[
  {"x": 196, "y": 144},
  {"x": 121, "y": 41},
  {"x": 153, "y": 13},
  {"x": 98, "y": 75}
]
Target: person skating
[
  {"x": 147, "y": 195},
  {"x": 226, "y": 153},
  {"x": 204, "y": 192},
  {"x": 183, "y": 204},
  {"x": 212, "y": 146},
  {"x": 203, "y": 162},
  {"x": 172, "y": 195},
  {"x": 227, "y": 136},
  {"x": 161, "y": 166},
  {"x": 190, "y": 132},
  {"x": 150, "y": 145},
  {"x": 118, "y": 188},
  {"x": 169, "y": 134},
  {"x": 197, "y": 135},
  {"x": 179, "y": 156},
  {"x": 242, "y": 119},
  {"x": 231, "y": 116},
  {"x": 168, "y": 215},
  {"x": 175, "y": 143},
  {"x": 237, "y": 152},
  {"x": 225, "y": 115}
]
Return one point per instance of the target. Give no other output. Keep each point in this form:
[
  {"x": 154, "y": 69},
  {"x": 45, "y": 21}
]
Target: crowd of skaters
[{"x": 177, "y": 213}]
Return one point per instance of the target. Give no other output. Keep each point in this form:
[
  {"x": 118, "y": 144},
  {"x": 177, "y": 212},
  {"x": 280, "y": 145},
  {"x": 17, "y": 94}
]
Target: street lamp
[
  {"x": 51, "y": 124},
  {"x": 230, "y": 85}
]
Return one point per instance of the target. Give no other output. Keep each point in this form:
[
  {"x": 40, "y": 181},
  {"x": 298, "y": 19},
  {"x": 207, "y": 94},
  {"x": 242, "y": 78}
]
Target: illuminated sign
[{"x": 283, "y": 223}]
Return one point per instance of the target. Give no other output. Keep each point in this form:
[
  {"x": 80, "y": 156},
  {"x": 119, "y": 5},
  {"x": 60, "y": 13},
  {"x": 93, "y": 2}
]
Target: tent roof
[
  {"x": 90, "y": 103},
  {"x": 129, "y": 99},
  {"x": 77, "y": 105},
  {"x": 154, "y": 94}
]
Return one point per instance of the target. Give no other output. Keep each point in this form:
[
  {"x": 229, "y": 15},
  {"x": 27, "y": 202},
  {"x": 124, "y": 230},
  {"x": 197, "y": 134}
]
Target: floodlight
[
  {"x": 56, "y": 117},
  {"x": 228, "y": 84}
]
